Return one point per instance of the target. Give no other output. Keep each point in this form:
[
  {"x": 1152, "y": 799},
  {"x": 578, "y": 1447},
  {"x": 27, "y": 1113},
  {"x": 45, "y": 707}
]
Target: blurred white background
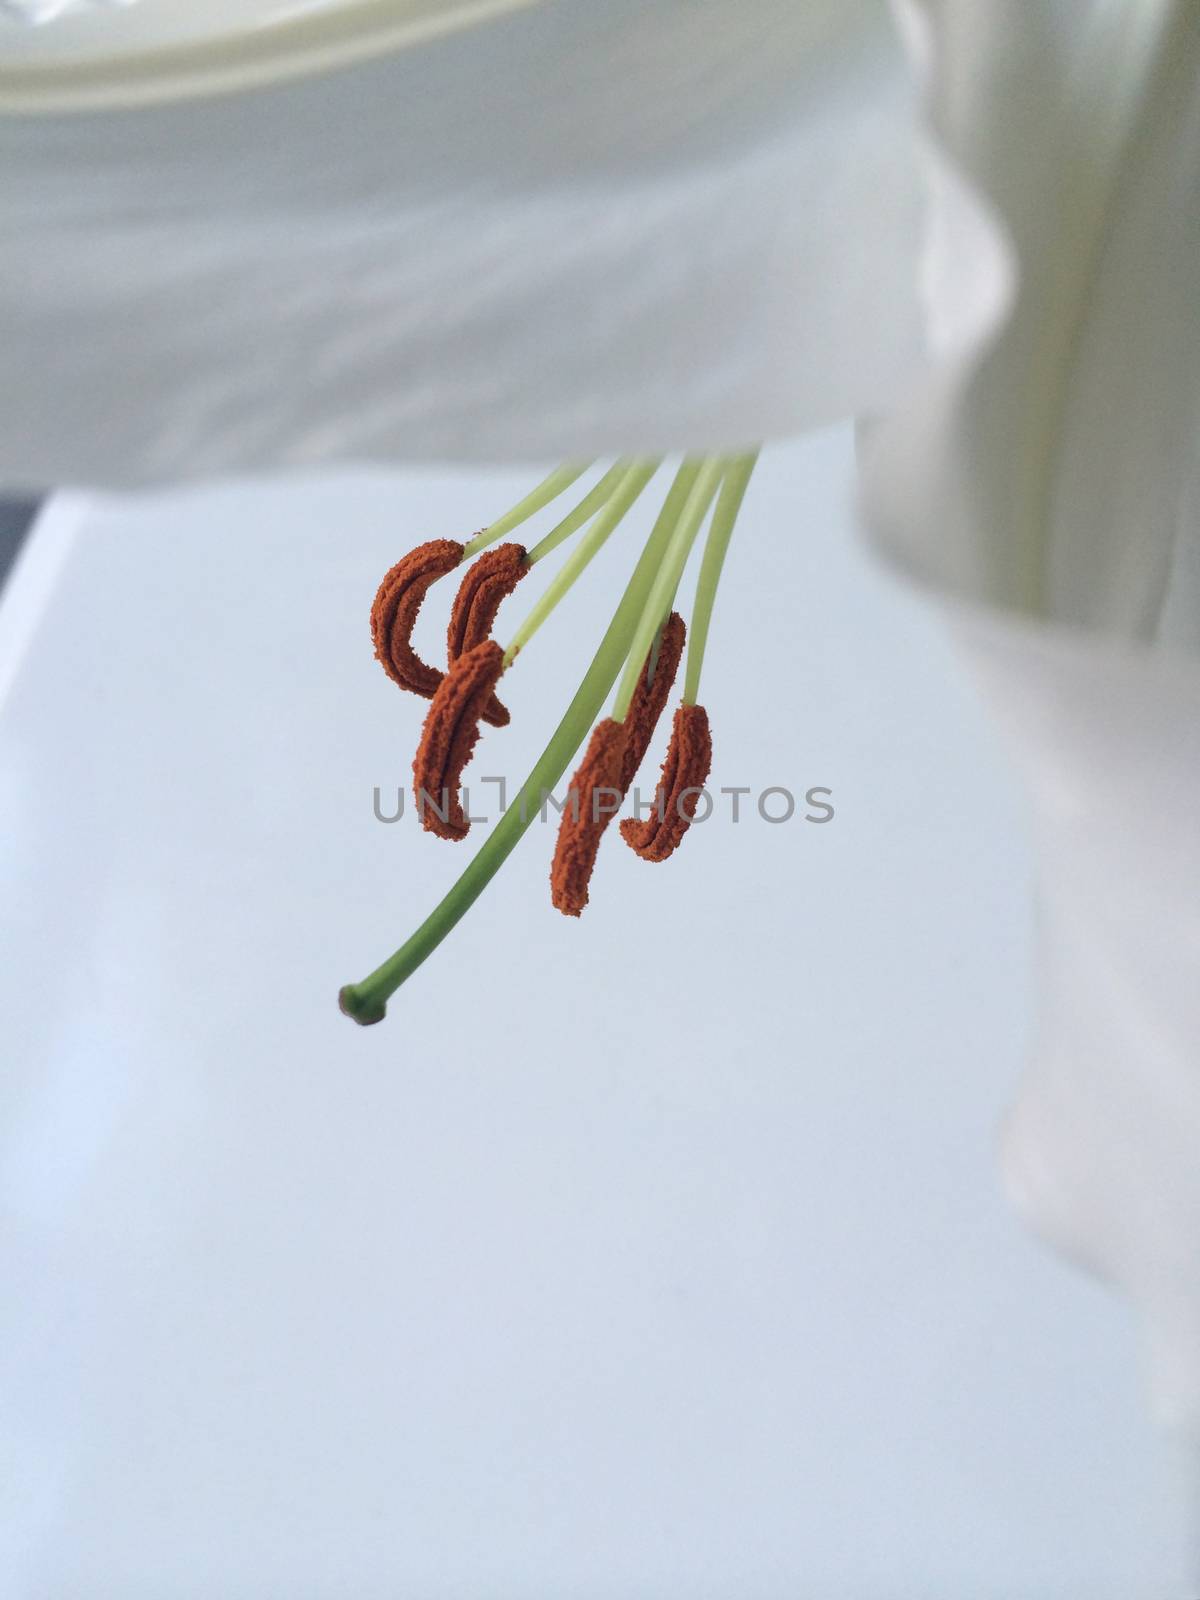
[{"x": 661, "y": 1253}]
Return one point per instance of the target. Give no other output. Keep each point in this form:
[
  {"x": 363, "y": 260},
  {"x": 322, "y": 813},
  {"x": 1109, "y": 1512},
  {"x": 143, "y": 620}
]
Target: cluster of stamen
[
  {"x": 602, "y": 781},
  {"x": 463, "y": 695}
]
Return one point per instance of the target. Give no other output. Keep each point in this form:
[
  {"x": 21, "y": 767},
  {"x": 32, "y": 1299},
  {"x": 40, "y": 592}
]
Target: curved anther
[
  {"x": 651, "y": 695},
  {"x": 449, "y": 736},
  {"x": 684, "y": 774},
  {"x": 486, "y": 583},
  {"x": 610, "y": 765},
  {"x": 593, "y": 799},
  {"x": 394, "y": 613}
]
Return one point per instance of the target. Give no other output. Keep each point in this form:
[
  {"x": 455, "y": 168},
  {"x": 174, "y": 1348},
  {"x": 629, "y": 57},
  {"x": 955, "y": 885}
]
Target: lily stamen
[
  {"x": 642, "y": 646},
  {"x": 485, "y": 585},
  {"x": 650, "y": 697},
  {"x": 395, "y": 608},
  {"x": 614, "y": 754},
  {"x": 399, "y": 597},
  {"x": 689, "y": 754},
  {"x": 449, "y": 737},
  {"x": 684, "y": 774},
  {"x": 595, "y": 797}
]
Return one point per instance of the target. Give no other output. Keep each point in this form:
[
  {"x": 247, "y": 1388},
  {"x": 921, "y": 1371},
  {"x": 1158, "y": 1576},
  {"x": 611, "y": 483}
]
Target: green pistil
[
  {"x": 549, "y": 489},
  {"x": 725, "y": 515}
]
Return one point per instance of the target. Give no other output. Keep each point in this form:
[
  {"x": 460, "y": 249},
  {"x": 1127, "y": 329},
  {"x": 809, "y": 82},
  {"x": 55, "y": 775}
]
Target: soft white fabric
[{"x": 574, "y": 229}]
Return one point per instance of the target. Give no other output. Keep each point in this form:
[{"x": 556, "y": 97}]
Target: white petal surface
[
  {"x": 576, "y": 228},
  {"x": 1103, "y": 1144},
  {"x": 91, "y": 30},
  {"x": 116, "y": 52},
  {"x": 1048, "y": 468},
  {"x": 1051, "y": 463}
]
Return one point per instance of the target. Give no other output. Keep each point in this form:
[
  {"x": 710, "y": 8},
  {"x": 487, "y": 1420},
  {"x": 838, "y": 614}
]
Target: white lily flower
[
  {"x": 582, "y": 229},
  {"x": 1044, "y": 481},
  {"x": 569, "y": 229}
]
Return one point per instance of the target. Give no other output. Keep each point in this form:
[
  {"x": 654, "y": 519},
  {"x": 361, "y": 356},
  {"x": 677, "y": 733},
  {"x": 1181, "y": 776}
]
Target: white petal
[
  {"x": 99, "y": 51},
  {"x": 1048, "y": 468},
  {"x": 575, "y": 229},
  {"x": 1102, "y": 1150},
  {"x": 146, "y": 24},
  {"x": 1052, "y": 462}
]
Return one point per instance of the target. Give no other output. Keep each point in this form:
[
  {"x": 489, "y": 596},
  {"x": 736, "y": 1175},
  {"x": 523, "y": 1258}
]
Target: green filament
[
  {"x": 683, "y": 536},
  {"x": 549, "y": 489},
  {"x": 633, "y": 480},
  {"x": 595, "y": 498},
  {"x": 725, "y": 514}
]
